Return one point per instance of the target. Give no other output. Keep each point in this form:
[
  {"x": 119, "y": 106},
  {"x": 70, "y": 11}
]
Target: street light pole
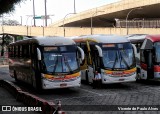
[
  {"x": 74, "y": 7},
  {"x": 21, "y": 20},
  {"x": 127, "y": 17},
  {"x": 28, "y": 18},
  {"x": 50, "y": 18},
  {"x": 45, "y": 13},
  {"x": 34, "y": 13},
  {"x": 63, "y": 22},
  {"x": 27, "y": 21},
  {"x": 92, "y": 20}
]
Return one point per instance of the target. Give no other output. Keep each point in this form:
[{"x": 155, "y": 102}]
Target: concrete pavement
[
  {"x": 6, "y": 99},
  {"x": 12, "y": 95}
]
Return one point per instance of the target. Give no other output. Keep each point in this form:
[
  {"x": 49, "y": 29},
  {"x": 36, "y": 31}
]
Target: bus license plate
[
  {"x": 63, "y": 85},
  {"x": 121, "y": 79}
]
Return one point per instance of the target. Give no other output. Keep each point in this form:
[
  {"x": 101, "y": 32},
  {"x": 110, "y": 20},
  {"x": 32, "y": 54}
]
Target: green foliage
[
  {"x": 19, "y": 38},
  {"x": 10, "y": 22},
  {"x": 6, "y": 40},
  {"x": 7, "y": 6}
]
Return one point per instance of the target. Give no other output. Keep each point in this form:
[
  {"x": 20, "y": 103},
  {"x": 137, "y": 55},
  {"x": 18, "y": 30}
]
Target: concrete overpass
[
  {"x": 72, "y": 31},
  {"x": 79, "y": 24},
  {"x": 150, "y": 9}
]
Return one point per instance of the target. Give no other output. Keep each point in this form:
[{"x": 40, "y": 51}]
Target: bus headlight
[
  {"x": 106, "y": 74},
  {"x": 47, "y": 76}
]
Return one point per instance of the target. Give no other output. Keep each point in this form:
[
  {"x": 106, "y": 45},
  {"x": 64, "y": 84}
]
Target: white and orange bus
[
  {"x": 111, "y": 55},
  {"x": 46, "y": 62}
]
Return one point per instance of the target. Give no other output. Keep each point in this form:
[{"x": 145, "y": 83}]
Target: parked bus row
[{"x": 58, "y": 62}]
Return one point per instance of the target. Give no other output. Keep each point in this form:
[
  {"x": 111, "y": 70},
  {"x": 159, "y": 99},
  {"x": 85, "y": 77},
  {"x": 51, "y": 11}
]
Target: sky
[{"x": 57, "y": 9}]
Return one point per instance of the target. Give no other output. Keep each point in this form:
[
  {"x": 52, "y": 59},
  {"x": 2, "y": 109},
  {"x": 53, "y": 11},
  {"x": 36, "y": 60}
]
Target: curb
[{"x": 30, "y": 99}]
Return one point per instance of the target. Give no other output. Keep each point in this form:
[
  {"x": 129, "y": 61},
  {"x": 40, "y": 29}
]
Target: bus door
[
  {"x": 84, "y": 64},
  {"x": 148, "y": 57},
  {"x": 91, "y": 65}
]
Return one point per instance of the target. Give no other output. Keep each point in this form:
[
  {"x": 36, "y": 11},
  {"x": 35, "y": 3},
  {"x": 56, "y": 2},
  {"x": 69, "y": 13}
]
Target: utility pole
[
  {"x": 34, "y": 13},
  {"x": 21, "y": 20},
  {"x": 92, "y": 20},
  {"x": 45, "y": 13},
  {"x": 128, "y": 16},
  {"x": 74, "y": 7}
]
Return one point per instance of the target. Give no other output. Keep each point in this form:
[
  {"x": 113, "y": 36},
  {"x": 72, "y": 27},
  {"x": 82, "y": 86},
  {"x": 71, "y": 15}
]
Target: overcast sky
[{"x": 58, "y": 8}]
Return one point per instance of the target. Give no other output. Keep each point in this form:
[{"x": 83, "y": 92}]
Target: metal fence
[{"x": 155, "y": 23}]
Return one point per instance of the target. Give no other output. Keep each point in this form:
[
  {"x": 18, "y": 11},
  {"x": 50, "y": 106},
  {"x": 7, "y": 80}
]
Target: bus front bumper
[
  {"x": 108, "y": 80},
  {"x": 52, "y": 84}
]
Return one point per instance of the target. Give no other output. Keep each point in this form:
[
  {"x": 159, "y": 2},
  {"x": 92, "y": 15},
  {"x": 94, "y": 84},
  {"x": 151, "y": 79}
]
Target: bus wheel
[{"x": 38, "y": 84}]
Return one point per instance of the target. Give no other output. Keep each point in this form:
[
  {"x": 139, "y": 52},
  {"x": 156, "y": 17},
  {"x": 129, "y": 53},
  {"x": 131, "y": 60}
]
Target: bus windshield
[
  {"x": 118, "y": 56},
  {"x": 60, "y": 61},
  {"x": 157, "y": 49}
]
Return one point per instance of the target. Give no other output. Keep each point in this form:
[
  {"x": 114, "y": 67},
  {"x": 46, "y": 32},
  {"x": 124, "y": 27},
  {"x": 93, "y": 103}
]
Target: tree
[
  {"x": 7, "y": 6},
  {"x": 10, "y": 22}
]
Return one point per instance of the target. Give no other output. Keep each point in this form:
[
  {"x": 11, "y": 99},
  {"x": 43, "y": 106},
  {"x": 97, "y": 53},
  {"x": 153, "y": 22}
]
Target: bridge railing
[{"x": 72, "y": 31}]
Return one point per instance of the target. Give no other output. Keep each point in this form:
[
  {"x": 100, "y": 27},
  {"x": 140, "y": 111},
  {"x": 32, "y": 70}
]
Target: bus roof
[
  {"x": 141, "y": 37},
  {"x": 136, "y": 37},
  {"x": 48, "y": 41},
  {"x": 102, "y": 38},
  {"x": 153, "y": 38}
]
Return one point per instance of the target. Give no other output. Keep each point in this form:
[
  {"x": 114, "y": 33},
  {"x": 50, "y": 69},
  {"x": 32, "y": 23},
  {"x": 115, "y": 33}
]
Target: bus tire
[{"x": 38, "y": 83}]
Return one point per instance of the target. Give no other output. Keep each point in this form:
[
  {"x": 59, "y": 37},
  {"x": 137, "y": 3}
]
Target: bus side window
[
  {"x": 16, "y": 51},
  {"x": 13, "y": 51},
  {"x": 26, "y": 51},
  {"x": 34, "y": 56},
  {"x": 142, "y": 56},
  {"x": 23, "y": 55},
  {"x": 20, "y": 51},
  {"x": 27, "y": 55},
  {"x": 82, "y": 45},
  {"x": 30, "y": 48}
]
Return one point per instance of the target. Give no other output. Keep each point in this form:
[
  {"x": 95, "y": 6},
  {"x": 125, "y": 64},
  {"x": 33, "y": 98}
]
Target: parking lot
[{"x": 110, "y": 97}]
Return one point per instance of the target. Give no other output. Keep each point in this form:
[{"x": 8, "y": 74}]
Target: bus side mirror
[
  {"x": 99, "y": 50},
  {"x": 135, "y": 49},
  {"x": 38, "y": 54},
  {"x": 82, "y": 53}
]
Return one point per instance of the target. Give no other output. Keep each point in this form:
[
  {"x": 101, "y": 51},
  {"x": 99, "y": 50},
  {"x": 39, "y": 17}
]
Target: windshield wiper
[
  {"x": 67, "y": 64},
  {"x": 55, "y": 62},
  {"x": 115, "y": 61},
  {"x": 124, "y": 60}
]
